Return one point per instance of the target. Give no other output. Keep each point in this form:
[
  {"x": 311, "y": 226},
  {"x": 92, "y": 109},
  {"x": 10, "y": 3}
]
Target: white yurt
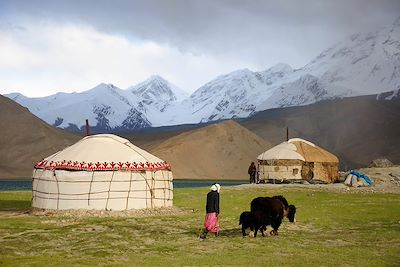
[
  {"x": 102, "y": 172},
  {"x": 298, "y": 159}
]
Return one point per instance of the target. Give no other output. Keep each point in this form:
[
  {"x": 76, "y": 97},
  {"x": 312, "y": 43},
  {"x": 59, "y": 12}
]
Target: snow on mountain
[
  {"x": 391, "y": 95},
  {"x": 236, "y": 94},
  {"x": 155, "y": 96},
  {"x": 306, "y": 90},
  {"x": 157, "y": 89},
  {"x": 362, "y": 64},
  {"x": 105, "y": 106},
  {"x": 368, "y": 63}
]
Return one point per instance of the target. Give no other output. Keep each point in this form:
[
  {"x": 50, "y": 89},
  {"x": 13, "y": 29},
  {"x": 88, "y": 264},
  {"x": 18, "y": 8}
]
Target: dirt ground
[
  {"x": 386, "y": 180},
  {"x": 76, "y": 214}
]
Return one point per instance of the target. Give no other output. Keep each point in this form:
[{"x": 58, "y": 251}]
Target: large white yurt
[
  {"x": 102, "y": 172},
  {"x": 298, "y": 159}
]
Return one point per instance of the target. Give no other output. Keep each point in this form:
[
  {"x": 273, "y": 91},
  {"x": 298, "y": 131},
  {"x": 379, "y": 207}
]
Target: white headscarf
[{"x": 216, "y": 187}]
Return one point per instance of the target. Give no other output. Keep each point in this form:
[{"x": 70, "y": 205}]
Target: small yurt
[
  {"x": 102, "y": 172},
  {"x": 298, "y": 159}
]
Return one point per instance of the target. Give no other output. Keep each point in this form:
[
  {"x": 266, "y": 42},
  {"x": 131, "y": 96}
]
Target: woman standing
[{"x": 211, "y": 222}]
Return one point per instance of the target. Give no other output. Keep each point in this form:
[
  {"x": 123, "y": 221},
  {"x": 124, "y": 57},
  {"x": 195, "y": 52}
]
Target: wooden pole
[{"x": 87, "y": 128}]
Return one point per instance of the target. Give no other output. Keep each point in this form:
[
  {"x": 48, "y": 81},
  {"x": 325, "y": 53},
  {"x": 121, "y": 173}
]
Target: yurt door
[{"x": 307, "y": 171}]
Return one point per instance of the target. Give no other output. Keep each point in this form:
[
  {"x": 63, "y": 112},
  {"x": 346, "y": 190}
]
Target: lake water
[{"x": 7, "y": 185}]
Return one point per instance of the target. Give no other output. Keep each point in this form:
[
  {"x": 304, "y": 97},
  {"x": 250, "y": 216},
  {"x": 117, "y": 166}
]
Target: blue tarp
[{"x": 362, "y": 176}]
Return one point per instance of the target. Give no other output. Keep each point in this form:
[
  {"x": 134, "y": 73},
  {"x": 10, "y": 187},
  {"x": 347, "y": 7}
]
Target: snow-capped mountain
[
  {"x": 368, "y": 63},
  {"x": 155, "y": 96},
  {"x": 106, "y": 106},
  {"x": 359, "y": 65},
  {"x": 362, "y": 64},
  {"x": 305, "y": 90},
  {"x": 236, "y": 94},
  {"x": 159, "y": 91}
]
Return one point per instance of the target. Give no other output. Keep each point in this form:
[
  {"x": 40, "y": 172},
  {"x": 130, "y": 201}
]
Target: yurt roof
[
  {"x": 297, "y": 148},
  {"x": 102, "y": 152}
]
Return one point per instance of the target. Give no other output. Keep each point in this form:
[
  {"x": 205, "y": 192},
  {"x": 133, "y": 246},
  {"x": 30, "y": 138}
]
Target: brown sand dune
[
  {"x": 219, "y": 151},
  {"x": 25, "y": 139}
]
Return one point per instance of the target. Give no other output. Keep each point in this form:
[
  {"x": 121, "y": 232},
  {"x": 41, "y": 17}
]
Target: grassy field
[{"x": 332, "y": 229}]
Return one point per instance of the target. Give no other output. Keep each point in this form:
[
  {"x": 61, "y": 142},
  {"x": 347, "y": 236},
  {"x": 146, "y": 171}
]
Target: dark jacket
[
  {"x": 212, "y": 202},
  {"x": 252, "y": 170}
]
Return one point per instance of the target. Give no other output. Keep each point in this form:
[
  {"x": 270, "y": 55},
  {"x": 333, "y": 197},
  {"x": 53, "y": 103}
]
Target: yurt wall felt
[
  {"x": 114, "y": 176},
  {"x": 107, "y": 190},
  {"x": 280, "y": 169}
]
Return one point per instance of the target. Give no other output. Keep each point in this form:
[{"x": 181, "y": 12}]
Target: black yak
[
  {"x": 253, "y": 221},
  {"x": 266, "y": 211},
  {"x": 269, "y": 211}
]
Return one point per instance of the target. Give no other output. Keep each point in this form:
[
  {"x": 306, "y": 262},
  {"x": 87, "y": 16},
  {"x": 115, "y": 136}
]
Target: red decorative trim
[{"x": 105, "y": 166}]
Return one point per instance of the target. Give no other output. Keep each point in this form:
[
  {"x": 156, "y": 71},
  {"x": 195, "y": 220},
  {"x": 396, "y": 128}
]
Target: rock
[
  {"x": 381, "y": 163},
  {"x": 342, "y": 176}
]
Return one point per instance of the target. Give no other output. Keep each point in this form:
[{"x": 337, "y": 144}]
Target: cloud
[
  {"x": 58, "y": 45},
  {"x": 50, "y": 58}
]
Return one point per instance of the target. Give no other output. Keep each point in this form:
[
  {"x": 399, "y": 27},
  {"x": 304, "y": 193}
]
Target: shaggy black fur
[
  {"x": 290, "y": 209},
  {"x": 269, "y": 211},
  {"x": 253, "y": 221},
  {"x": 266, "y": 211}
]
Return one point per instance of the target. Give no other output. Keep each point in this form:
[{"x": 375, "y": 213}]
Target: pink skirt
[{"x": 211, "y": 223}]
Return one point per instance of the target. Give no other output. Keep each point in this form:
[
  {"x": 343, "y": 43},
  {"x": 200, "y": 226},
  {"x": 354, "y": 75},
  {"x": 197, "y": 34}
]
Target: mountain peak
[
  {"x": 105, "y": 85},
  {"x": 280, "y": 67},
  {"x": 157, "y": 92},
  {"x": 15, "y": 96},
  {"x": 156, "y": 77},
  {"x": 233, "y": 74},
  {"x": 240, "y": 72}
]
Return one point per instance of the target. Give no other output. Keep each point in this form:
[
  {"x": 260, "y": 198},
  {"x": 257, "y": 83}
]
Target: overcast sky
[{"x": 51, "y": 46}]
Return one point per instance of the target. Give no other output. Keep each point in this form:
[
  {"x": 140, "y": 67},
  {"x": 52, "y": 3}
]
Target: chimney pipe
[
  {"x": 87, "y": 128},
  {"x": 287, "y": 134}
]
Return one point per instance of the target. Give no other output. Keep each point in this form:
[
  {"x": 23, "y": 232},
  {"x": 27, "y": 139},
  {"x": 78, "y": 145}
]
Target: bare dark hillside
[
  {"x": 26, "y": 139},
  {"x": 357, "y": 129}
]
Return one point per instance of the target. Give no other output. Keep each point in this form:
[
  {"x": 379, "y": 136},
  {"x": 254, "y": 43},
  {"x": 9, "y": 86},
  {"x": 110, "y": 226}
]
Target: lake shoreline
[{"x": 23, "y": 185}]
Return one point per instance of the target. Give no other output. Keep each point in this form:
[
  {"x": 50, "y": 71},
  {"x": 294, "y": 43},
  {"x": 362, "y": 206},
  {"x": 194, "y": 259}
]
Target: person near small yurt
[
  {"x": 298, "y": 159},
  {"x": 102, "y": 172}
]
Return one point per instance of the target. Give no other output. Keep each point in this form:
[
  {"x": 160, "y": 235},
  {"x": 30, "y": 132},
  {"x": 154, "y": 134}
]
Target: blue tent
[{"x": 362, "y": 176}]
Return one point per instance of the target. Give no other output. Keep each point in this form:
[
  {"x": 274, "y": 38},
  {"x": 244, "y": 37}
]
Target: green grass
[{"x": 332, "y": 229}]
